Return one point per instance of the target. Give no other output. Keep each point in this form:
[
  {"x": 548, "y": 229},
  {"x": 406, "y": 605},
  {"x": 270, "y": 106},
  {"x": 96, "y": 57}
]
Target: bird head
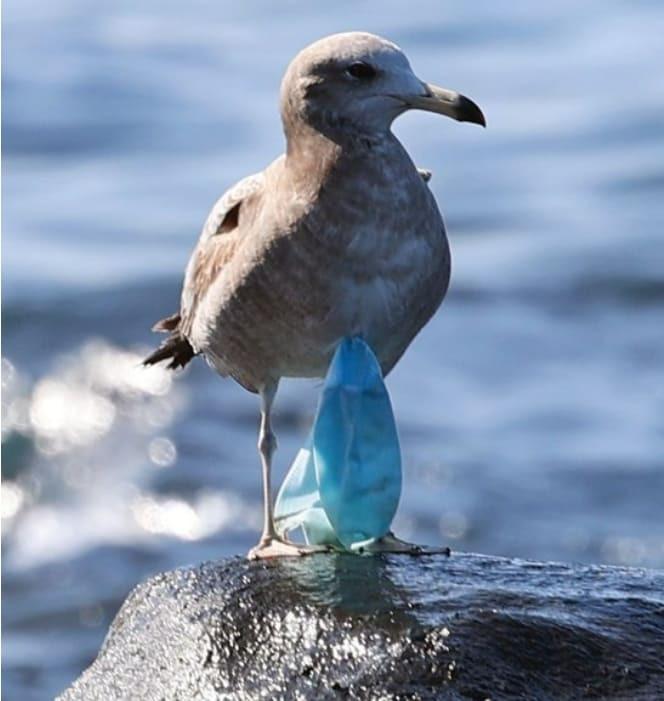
[{"x": 357, "y": 82}]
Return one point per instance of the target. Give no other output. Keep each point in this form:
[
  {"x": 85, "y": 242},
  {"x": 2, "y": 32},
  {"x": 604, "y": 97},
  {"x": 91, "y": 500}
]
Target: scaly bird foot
[
  {"x": 389, "y": 543},
  {"x": 272, "y": 547}
]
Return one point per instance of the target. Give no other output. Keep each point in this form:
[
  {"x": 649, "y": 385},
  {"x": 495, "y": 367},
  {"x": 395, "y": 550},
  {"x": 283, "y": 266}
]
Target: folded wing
[{"x": 215, "y": 248}]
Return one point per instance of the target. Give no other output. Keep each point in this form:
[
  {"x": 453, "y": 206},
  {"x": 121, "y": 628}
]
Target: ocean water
[{"x": 530, "y": 409}]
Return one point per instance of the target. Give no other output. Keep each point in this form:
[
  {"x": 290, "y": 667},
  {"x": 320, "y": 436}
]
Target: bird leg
[{"x": 270, "y": 544}]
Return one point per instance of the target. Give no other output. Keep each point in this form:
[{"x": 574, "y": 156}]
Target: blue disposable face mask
[{"x": 343, "y": 487}]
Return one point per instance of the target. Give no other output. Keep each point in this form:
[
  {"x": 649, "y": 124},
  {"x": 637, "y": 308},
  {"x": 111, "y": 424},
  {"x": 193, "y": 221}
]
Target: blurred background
[{"x": 531, "y": 408}]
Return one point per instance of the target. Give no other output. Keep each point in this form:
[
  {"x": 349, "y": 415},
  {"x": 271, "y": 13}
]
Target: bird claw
[{"x": 272, "y": 547}]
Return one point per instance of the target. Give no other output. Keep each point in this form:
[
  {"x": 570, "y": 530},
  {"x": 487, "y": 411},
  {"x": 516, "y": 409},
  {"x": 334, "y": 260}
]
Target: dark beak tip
[
  {"x": 468, "y": 111},
  {"x": 481, "y": 121}
]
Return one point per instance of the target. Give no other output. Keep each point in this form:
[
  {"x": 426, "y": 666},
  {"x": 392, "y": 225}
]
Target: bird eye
[{"x": 361, "y": 70}]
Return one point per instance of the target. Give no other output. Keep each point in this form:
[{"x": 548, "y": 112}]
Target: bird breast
[{"x": 366, "y": 256}]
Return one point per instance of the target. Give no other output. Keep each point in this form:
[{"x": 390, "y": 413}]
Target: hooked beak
[{"x": 447, "y": 102}]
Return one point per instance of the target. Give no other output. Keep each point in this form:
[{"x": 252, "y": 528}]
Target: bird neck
[
  {"x": 310, "y": 148},
  {"x": 315, "y": 154}
]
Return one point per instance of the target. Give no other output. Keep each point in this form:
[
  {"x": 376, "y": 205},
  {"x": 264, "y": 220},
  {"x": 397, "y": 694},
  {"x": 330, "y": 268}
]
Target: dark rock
[{"x": 397, "y": 627}]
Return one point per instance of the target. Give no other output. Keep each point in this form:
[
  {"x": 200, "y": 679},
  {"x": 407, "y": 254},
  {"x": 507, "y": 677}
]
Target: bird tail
[{"x": 176, "y": 347}]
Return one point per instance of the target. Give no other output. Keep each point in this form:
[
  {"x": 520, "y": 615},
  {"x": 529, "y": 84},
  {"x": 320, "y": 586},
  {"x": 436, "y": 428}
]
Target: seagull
[{"x": 340, "y": 236}]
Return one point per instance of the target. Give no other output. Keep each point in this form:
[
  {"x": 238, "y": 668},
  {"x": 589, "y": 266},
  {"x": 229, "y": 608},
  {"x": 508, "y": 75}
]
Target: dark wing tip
[
  {"x": 176, "y": 348},
  {"x": 170, "y": 323}
]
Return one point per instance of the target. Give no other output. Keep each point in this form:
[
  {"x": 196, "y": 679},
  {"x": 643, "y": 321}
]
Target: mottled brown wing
[
  {"x": 213, "y": 251},
  {"x": 216, "y": 246}
]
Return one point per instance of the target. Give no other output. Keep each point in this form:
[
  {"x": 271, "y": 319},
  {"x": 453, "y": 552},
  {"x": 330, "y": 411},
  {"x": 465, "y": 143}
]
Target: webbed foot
[
  {"x": 389, "y": 543},
  {"x": 272, "y": 547}
]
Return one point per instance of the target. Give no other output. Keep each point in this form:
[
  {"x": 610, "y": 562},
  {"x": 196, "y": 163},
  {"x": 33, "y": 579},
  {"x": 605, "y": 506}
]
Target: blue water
[{"x": 531, "y": 408}]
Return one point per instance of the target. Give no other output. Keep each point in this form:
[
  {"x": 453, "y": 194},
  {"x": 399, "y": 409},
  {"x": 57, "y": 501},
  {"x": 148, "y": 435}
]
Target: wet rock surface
[{"x": 389, "y": 627}]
